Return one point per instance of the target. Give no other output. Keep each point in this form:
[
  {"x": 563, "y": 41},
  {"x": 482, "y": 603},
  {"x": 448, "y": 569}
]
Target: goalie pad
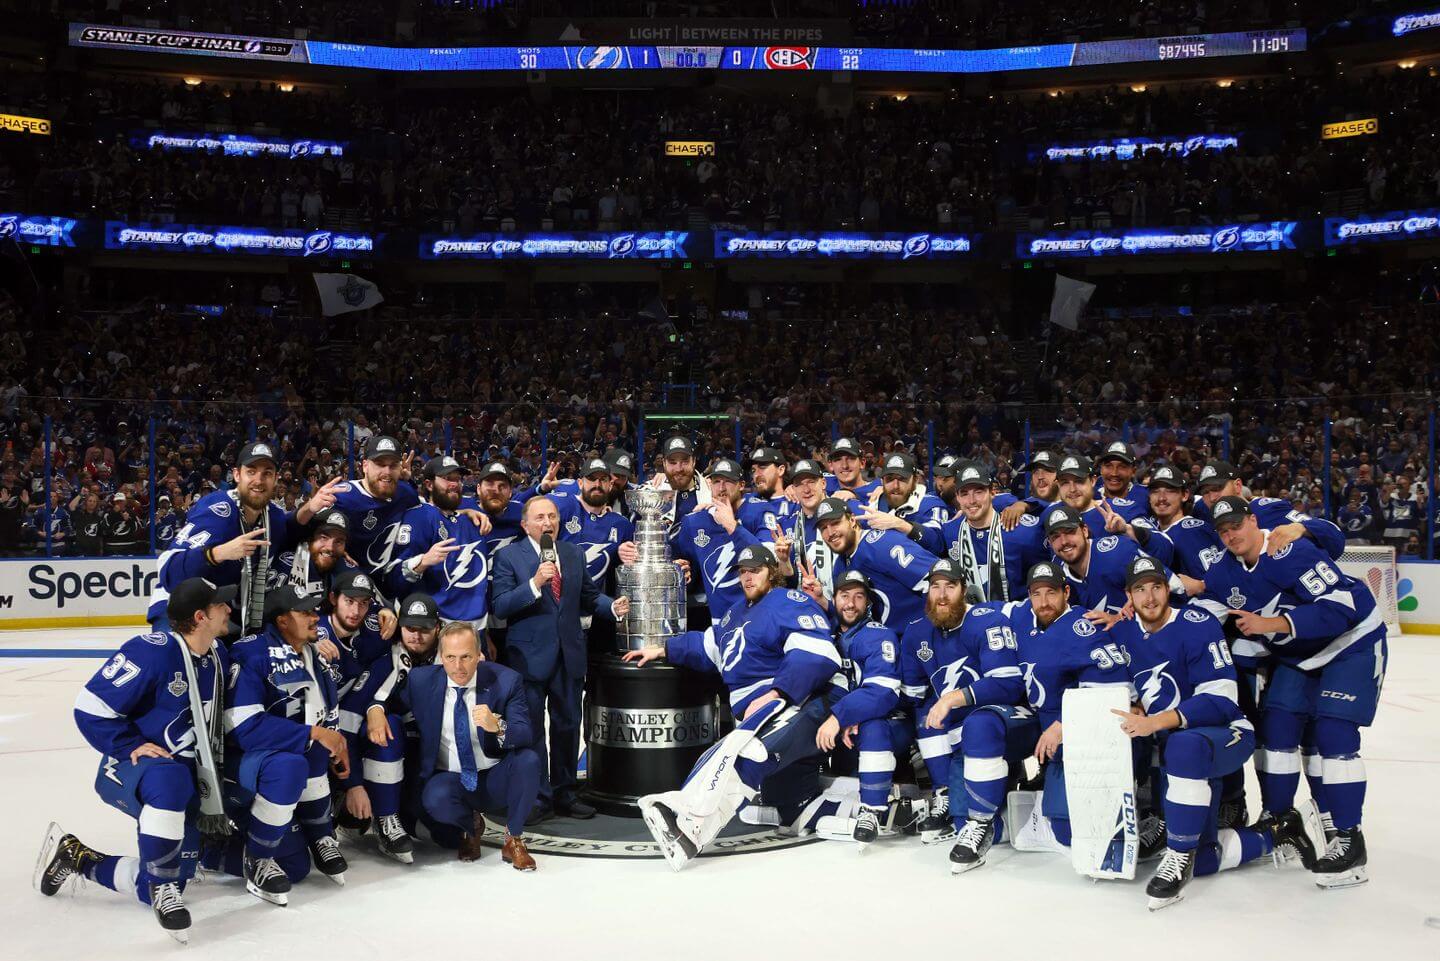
[{"x": 1100, "y": 783}]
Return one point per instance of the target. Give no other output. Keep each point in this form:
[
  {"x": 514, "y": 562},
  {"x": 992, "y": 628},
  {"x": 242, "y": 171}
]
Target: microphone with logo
[{"x": 548, "y": 555}]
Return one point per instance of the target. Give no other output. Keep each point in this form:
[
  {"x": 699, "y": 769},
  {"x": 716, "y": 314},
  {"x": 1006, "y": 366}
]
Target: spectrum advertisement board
[
  {"x": 1265, "y": 236},
  {"x": 207, "y": 239},
  {"x": 652, "y": 245},
  {"x": 840, "y": 246}
]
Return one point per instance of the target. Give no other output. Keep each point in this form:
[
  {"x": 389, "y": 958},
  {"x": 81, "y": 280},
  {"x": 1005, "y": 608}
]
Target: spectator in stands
[{"x": 123, "y": 531}]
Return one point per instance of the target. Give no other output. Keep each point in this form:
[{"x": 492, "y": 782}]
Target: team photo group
[{"x": 1086, "y": 665}]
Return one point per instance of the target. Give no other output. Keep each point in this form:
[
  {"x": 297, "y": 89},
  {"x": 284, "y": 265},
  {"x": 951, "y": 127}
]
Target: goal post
[{"x": 1376, "y": 567}]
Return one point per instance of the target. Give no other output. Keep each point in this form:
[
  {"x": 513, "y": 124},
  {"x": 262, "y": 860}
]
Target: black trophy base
[{"x": 645, "y": 728}]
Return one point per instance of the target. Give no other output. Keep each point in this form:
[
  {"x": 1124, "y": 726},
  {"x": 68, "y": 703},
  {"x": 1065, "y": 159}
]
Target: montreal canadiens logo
[
  {"x": 318, "y": 243},
  {"x": 600, "y": 58},
  {"x": 789, "y": 58},
  {"x": 622, "y": 246},
  {"x": 916, "y": 246},
  {"x": 1226, "y": 238}
]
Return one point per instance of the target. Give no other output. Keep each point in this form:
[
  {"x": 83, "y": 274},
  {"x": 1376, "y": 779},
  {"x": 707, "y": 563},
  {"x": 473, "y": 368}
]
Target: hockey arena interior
[{"x": 682, "y": 478}]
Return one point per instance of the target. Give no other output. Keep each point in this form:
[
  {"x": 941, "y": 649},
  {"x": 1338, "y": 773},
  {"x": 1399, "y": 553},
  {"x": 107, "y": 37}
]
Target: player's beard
[
  {"x": 947, "y": 617},
  {"x": 255, "y": 498},
  {"x": 493, "y": 503},
  {"x": 382, "y": 487},
  {"x": 761, "y": 590},
  {"x": 596, "y": 497},
  {"x": 766, "y": 489},
  {"x": 324, "y": 559},
  {"x": 445, "y": 500},
  {"x": 897, "y": 499},
  {"x": 346, "y": 625}
]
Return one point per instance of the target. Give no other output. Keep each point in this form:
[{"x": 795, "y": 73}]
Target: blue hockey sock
[{"x": 1342, "y": 770}]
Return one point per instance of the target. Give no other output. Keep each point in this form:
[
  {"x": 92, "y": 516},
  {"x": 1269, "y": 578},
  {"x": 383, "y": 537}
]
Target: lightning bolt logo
[
  {"x": 1153, "y": 686},
  {"x": 458, "y": 572},
  {"x": 1034, "y": 690}
]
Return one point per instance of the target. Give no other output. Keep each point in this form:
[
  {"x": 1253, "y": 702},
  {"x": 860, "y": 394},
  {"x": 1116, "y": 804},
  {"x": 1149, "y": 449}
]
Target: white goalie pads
[{"x": 1100, "y": 783}]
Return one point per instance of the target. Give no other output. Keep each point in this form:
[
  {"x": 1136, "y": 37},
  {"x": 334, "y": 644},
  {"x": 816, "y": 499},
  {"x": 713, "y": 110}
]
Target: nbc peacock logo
[{"x": 1405, "y": 590}]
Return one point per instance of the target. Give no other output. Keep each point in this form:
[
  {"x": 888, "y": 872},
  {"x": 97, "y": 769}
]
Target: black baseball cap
[
  {"x": 831, "y": 508},
  {"x": 806, "y": 468},
  {"x": 1075, "y": 465},
  {"x": 947, "y": 569},
  {"x": 945, "y": 466},
  {"x": 419, "y": 610},
  {"x": 1046, "y": 572},
  {"x": 1062, "y": 517},
  {"x": 496, "y": 468},
  {"x": 257, "y": 450},
  {"x": 756, "y": 556},
  {"x": 1117, "y": 450},
  {"x": 677, "y": 444},
  {"x": 852, "y": 578},
  {"x": 726, "y": 468},
  {"x": 353, "y": 583},
  {"x": 287, "y": 598},
  {"x": 843, "y": 446},
  {"x": 1228, "y": 509},
  {"x": 972, "y": 474},
  {"x": 381, "y": 445},
  {"x": 1215, "y": 473},
  {"x": 1167, "y": 476},
  {"x": 898, "y": 465},
  {"x": 1141, "y": 568},
  {"x": 595, "y": 465},
  {"x": 767, "y": 455},
  {"x": 195, "y": 594},
  {"x": 443, "y": 465},
  {"x": 620, "y": 461},
  {"x": 1042, "y": 458},
  {"x": 331, "y": 517}
]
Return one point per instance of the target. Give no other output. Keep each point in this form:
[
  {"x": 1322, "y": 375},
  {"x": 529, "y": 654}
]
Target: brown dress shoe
[
  {"x": 470, "y": 846},
  {"x": 515, "y": 854}
]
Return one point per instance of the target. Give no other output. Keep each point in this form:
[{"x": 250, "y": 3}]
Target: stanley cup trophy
[{"x": 647, "y": 726}]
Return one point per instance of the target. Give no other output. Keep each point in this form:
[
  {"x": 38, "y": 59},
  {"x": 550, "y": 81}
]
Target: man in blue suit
[
  {"x": 540, "y": 586},
  {"x": 476, "y": 749}
]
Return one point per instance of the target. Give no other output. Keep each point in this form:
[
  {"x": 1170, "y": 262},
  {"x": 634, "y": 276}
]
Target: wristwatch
[{"x": 500, "y": 729}]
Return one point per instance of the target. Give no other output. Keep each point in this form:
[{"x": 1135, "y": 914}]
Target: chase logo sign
[
  {"x": 1350, "y": 128},
  {"x": 689, "y": 148},
  {"x": 14, "y": 123}
]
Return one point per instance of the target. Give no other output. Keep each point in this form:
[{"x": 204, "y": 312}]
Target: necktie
[
  {"x": 469, "y": 772},
  {"x": 555, "y": 583}
]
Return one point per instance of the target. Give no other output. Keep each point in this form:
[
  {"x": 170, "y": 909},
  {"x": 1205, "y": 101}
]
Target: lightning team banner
[
  {"x": 1128, "y": 148},
  {"x": 841, "y": 246},
  {"x": 654, "y": 245},
  {"x": 236, "y": 145},
  {"x": 1373, "y": 228},
  {"x": 1272, "y": 235},
  {"x": 648, "y": 57},
  {"x": 196, "y": 238},
  {"x": 37, "y": 229},
  {"x": 1412, "y": 22}
]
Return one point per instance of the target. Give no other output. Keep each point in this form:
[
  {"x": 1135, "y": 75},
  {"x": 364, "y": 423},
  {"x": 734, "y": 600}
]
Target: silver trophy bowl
[{"x": 654, "y": 584}]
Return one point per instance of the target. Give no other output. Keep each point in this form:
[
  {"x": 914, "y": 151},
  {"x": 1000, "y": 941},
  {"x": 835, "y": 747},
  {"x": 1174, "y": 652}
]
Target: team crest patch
[
  {"x": 1190, "y": 523},
  {"x": 372, "y": 621},
  {"x": 701, "y": 538},
  {"x": 1029, "y": 520},
  {"x": 1107, "y": 544},
  {"x": 1122, "y": 501},
  {"x": 955, "y": 551},
  {"x": 872, "y": 536},
  {"x": 795, "y": 595},
  {"x": 573, "y": 525},
  {"x": 158, "y": 638},
  {"x": 1196, "y": 617},
  {"x": 1282, "y": 551},
  {"x": 370, "y": 521},
  {"x": 1235, "y": 600},
  {"x": 1084, "y": 628},
  {"x": 177, "y": 685},
  {"x": 924, "y": 653},
  {"x": 220, "y": 508}
]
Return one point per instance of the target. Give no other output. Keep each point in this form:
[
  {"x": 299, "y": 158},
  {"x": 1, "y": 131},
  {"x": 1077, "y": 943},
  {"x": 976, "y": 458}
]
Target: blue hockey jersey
[
  {"x": 460, "y": 584},
  {"x": 215, "y": 519},
  {"x": 863, "y": 492},
  {"x": 374, "y": 524},
  {"x": 1024, "y": 547},
  {"x": 1330, "y": 612},
  {"x": 598, "y": 535},
  {"x": 277, "y": 695},
  {"x": 761, "y": 515},
  {"x": 1272, "y": 512},
  {"x": 1132, "y": 504},
  {"x": 1103, "y": 586},
  {"x": 870, "y": 658},
  {"x": 927, "y": 511},
  {"x": 899, "y": 571},
  {"x": 980, "y": 655},
  {"x": 141, "y": 694},
  {"x": 1193, "y": 540},
  {"x": 712, "y": 553},
  {"x": 781, "y": 642},
  {"x": 1071, "y": 652},
  {"x": 1184, "y": 666}
]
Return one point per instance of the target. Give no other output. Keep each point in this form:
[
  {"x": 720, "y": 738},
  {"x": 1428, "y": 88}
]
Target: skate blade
[
  {"x": 1157, "y": 904},
  {"x": 337, "y": 878},
  {"x": 280, "y": 899},
  {"x": 404, "y": 857},
  {"x": 669, "y": 847},
  {"x": 182, "y": 936},
  {"x": 957, "y": 868},
  {"x": 1343, "y": 879},
  {"x": 53, "y": 834},
  {"x": 1287, "y": 857}
]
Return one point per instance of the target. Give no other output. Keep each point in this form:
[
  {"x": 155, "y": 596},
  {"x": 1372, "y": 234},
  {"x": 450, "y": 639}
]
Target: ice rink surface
[{"x": 896, "y": 900}]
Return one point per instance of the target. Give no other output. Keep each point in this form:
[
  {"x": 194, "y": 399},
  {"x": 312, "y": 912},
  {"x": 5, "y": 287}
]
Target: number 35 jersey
[{"x": 1071, "y": 652}]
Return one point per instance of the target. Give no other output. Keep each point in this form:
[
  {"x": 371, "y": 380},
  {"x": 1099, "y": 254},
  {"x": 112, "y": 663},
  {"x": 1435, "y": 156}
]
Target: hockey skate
[
  {"x": 1343, "y": 865},
  {"x": 1167, "y": 886},
  {"x": 972, "y": 843},
  {"x": 394, "y": 842},
  {"x": 937, "y": 826},
  {"x": 664, "y": 827},
  {"x": 266, "y": 880},
  {"x": 170, "y": 911},
  {"x": 62, "y": 856},
  {"x": 325, "y": 851}
]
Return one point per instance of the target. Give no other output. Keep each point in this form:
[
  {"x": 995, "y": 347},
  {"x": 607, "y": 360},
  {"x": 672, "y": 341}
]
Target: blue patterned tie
[{"x": 469, "y": 772}]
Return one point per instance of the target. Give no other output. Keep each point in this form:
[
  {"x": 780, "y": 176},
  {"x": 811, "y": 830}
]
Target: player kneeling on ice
[
  {"x": 867, "y": 722},
  {"x": 773, "y": 651},
  {"x": 153, "y": 711},
  {"x": 1181, "y": 668},
  {"x": 282, "y": 716},
  {"x": 959, "y": 666}
]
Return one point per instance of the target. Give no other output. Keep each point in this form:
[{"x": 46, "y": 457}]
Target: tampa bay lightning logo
[
  {"x": 300, "y": 148},
  {"x": 1034, "y": 689},
  {"x": 916, "y": 246},
  {"x": 1193, "y": 144},
  {"x": 1158, "y": 689},
  {"x": 467, "y": 568},
  {"x": 622, "y": 246},
  {"x": 252, "y": 46},
  {"x": 1084, "y": 628},
  {"x": 319, "y": 242},
  {"x": 1226, "y": 238},
  {"x": 381, "y": 553},
  {"x": 9, "y": 226},
  {"x": 734, "y": 648},
  {"x": 720, "y": 565},
  {"x": 600, "y": 58}
]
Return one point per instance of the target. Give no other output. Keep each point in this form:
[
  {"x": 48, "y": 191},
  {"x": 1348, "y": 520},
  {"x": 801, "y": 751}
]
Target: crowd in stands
[
  {"x": 1254, "y": 382},
  {"x": 452, "y": 162}
]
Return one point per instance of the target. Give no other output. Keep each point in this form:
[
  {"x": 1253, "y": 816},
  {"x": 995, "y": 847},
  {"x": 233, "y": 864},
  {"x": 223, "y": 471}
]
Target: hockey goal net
[{"x": 1376, "y": 567}]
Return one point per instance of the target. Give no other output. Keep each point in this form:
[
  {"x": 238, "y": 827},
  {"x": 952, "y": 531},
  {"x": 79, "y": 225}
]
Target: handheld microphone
[{"x": 547, "y": 549}]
